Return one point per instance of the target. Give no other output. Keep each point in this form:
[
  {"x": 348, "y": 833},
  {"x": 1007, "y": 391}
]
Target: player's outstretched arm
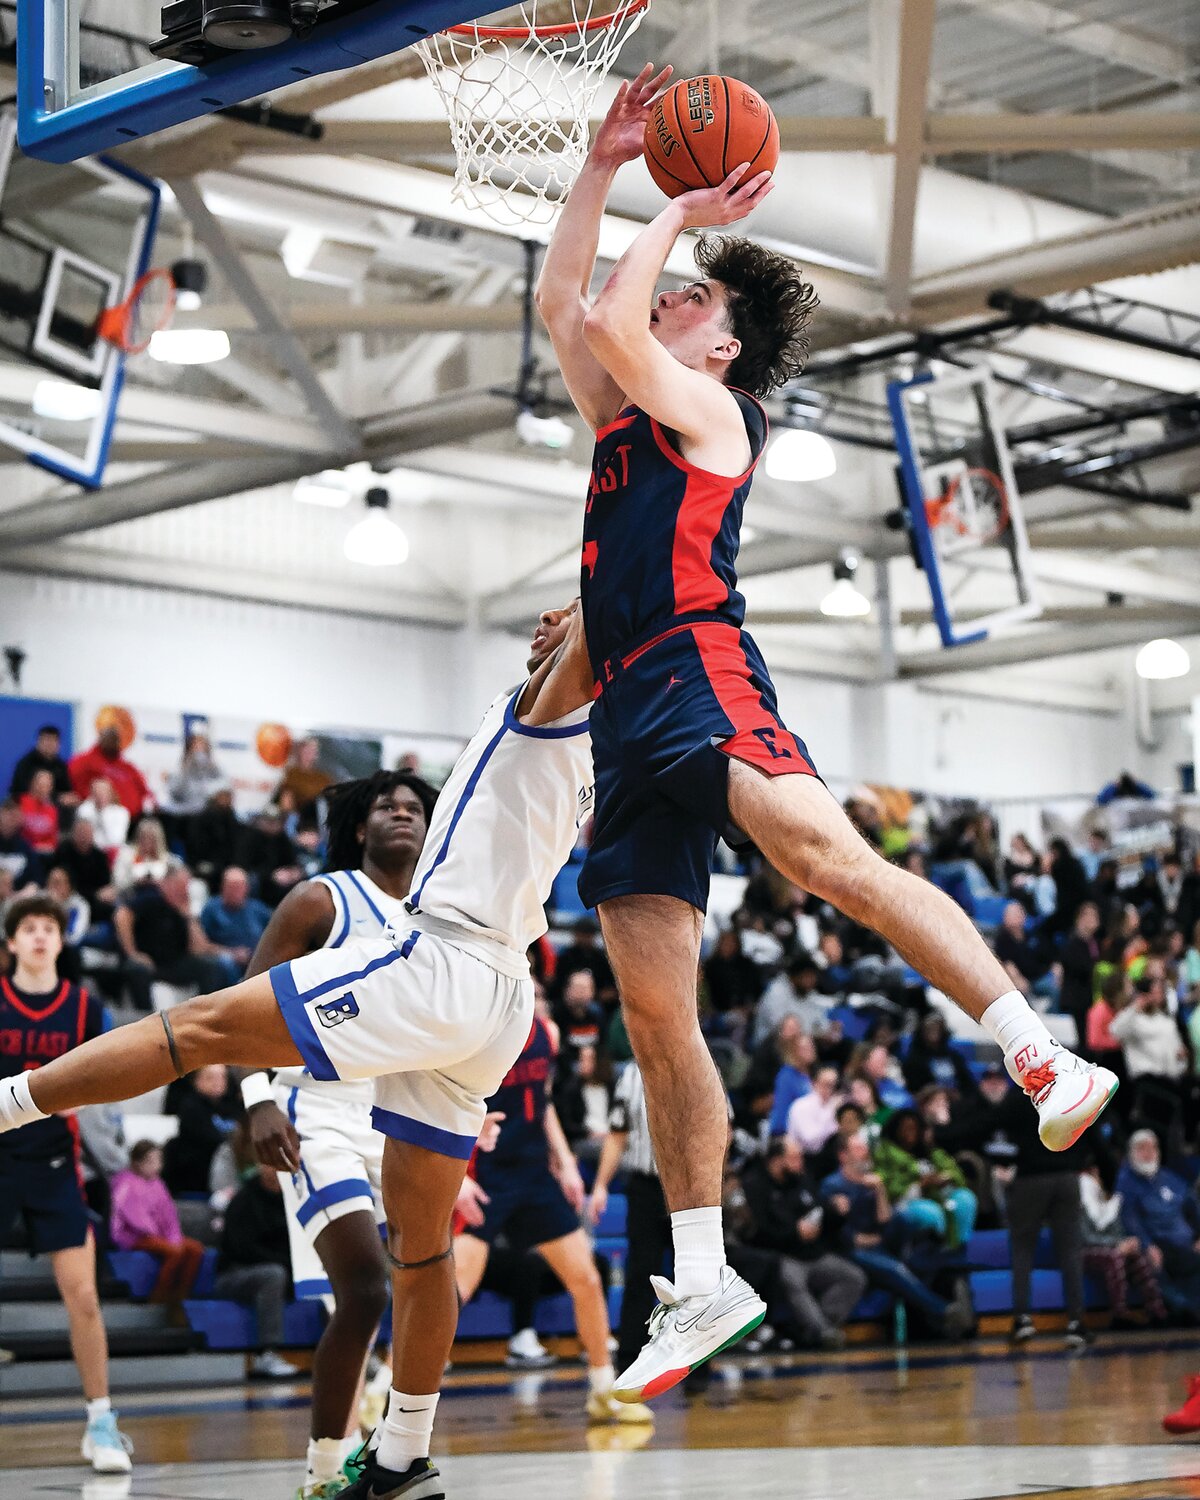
[
  {"x": 563, "y": 289},
  {"x": 617, "y": 329}
]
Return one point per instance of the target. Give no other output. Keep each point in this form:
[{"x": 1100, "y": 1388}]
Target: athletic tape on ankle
[
  {"x": 180, "y": 1072},
  {"x": 419, "y": 1265}
]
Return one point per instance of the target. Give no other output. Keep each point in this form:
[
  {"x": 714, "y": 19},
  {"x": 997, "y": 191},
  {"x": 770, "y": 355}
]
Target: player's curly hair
[
  {"x": 349, "y": 806},
  {"x": 770, "y": 304}
]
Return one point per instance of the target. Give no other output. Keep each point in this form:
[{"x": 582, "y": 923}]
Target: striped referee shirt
[{"x": 628, "y": 1115}]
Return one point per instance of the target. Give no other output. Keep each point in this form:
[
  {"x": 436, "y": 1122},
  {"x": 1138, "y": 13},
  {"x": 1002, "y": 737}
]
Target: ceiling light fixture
[
  {"x": 376, "y": 541},
  {"x": 844, "y": 601},
  {"x": 189, "y": 346},
  {"x": 800, "y": 456},
  {"x": 64, "y": 401},
  {"x": 1161, "y": 659}
]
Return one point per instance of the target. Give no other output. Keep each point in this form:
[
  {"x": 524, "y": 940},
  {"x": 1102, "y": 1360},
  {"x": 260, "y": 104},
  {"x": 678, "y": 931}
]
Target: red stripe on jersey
[
  {"x": 759, "y": 737},
  {"x": 35, "y": 1015},
  {"x": 618, "y": 425},
  {"x": 81, "y": 1027}
]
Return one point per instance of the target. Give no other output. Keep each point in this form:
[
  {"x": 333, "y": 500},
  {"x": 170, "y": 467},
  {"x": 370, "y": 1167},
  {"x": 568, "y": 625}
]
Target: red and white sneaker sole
[{"x": 1088, "y": 1120}]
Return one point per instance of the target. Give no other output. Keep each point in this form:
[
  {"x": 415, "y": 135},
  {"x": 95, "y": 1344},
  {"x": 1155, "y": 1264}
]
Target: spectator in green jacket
[{"x": 924, "y": 1184}]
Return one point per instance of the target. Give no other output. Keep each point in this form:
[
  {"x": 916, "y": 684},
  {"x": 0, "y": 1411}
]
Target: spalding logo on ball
[
  {"x": 703, "y": 127},
  {"x": 113, "y": 716},
  {"x": 273, "y": 743}
]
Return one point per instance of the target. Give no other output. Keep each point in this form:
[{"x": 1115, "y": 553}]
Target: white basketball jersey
[
  {"x": 360, "y": 910},
  {"x": 504, "y": 826}
]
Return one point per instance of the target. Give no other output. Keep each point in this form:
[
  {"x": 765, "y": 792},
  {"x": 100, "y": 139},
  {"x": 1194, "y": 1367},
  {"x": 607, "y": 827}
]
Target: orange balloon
[
  {"x": 274, "y": 744},
  {"x": 113, "y": 716}
]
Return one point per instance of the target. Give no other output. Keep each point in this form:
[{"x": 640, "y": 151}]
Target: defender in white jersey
[
  {"x": 437, "y": 1015},
  {"x": 319, "y": 1135}
]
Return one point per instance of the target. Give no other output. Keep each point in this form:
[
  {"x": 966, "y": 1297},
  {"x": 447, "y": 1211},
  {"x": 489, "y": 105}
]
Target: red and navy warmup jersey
[
  {"x": 522, "y": 1098},
  {"x": 660, "y": 536},
  {"x": 35, "y": 1029}
]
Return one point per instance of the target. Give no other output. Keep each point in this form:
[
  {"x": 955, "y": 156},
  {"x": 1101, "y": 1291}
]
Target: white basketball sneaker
[
  {"x": 106, "y": 1447},
  {"x": 686, "y": 1331},
  {"x": 1068, "y": 1093}
]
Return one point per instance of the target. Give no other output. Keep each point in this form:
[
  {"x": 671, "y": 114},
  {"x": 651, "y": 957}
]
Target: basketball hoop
[
  {"x": 974, "y": 506},
  {"x": 131, "y": 324},
  {"x": 519, "y": 97}
]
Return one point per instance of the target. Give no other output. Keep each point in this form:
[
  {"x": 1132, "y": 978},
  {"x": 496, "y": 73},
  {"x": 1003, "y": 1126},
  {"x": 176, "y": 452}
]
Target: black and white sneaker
[
  {"x": 1022, "y": 1330},
  {"x": 1077, "y": 1336},
  {"x": 420, "y": 1481}
]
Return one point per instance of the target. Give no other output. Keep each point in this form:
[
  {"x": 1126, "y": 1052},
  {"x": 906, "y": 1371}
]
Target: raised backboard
[
  {"x": 965, "y": 511},
  {"x": 88, "y": 82},
  {"x": 73, "y": 240}
]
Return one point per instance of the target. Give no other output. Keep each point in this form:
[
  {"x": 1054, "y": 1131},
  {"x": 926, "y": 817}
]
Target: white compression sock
[
  {"x": 601, "y": 1379},
  {"x": 1014, "y": 1025},
  {"x": 699, "y": 1251},
  {"x": 16, "y": 1103},
  {"x": 100, "y": 1407},
  {"x": 407, "y": 1430},
  {"x": 326, "y": 1457}
]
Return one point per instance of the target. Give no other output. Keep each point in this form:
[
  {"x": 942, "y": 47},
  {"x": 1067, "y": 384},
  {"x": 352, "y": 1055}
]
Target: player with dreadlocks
[{"x": 318, "y": 1135}]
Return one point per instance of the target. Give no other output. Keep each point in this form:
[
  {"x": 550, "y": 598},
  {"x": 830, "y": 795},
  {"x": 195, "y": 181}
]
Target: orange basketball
[
  {"x": 704, "y": 127},
  {"x": 112, "y": 716},
  {"x": 273, "y": 743}
]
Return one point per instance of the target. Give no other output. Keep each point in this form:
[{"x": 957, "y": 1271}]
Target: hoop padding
[{"x": 519, "y": 97}]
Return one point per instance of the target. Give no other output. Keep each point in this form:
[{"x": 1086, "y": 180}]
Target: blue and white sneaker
[{"x": 105, "y": 1447}]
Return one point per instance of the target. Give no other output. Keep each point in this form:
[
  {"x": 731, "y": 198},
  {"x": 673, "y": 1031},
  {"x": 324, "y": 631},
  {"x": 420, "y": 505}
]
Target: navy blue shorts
[
  {"x": 663, "y": 730},
  {"x": 43, "y": 1196},
  {"x": 527, "y": 1205}
]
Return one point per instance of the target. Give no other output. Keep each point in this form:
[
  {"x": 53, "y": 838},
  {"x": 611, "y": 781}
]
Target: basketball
[
  {"x": 273, "y": 743},
  {"x": 704, "y": 127},
  {"x": 113, "y": 716}
]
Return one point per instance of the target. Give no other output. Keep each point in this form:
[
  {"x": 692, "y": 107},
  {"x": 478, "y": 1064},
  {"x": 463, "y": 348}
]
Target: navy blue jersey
[
  {"x": 522, "y": 1098},
  {"x": 35, "y": 1029},
  {"x": 660, "y": 536}
]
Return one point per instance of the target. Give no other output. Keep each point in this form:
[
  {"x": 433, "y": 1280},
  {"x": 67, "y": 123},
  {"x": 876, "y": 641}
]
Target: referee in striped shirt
[{"x": 649, "y": 1223}]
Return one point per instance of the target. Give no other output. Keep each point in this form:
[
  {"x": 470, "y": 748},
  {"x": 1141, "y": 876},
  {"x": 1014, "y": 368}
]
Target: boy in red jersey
[
  {"x": 41, "y": 1017},
  {"x": 686, "y": 733}
]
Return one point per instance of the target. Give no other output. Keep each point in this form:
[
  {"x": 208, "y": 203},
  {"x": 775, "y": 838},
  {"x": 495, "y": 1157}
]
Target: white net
[{"x": 519, "y": 95}]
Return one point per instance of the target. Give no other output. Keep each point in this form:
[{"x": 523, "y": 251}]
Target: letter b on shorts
[{"x": 338, "y": 1011}]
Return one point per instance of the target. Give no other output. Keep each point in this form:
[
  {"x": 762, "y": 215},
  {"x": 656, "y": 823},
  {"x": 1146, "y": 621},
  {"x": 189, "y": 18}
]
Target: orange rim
[
  {"x": 940, "y": 511},
  {"x": 515, "y": 33},
  {"x": 115, "y": 323}
]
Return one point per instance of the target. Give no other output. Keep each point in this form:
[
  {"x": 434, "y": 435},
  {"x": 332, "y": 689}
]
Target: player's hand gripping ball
[{"x": 702, "y": 128}]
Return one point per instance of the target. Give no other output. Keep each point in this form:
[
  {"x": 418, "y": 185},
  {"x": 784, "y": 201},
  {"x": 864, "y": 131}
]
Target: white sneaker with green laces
[
  {"x": 686, "y": 1331},
  {"x": 105, "y": 1447}
]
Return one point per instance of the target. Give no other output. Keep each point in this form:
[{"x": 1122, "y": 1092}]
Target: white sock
[
  {"x": 699, "y": 1251},
  {"x": 16, "y": 1103},
  {"x": 1015, "y": 1026},
  {"x": 407, "y": 1431},
  {"x": 100, "y": 1407},
  {"x": 601, "y": 1379},
  {"x": 326, "y": 1457}
]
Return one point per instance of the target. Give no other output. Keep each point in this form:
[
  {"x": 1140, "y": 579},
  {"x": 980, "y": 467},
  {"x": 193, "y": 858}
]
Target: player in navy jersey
[
  {"x": 532, "y": 1193},
  {"x": 686, "y": 732},
  {"x": 41, "y": 1018}
]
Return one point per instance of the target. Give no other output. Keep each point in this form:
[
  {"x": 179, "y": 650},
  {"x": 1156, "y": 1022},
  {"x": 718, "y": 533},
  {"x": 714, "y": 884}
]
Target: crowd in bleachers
[{"x": 878, "y": 1142}]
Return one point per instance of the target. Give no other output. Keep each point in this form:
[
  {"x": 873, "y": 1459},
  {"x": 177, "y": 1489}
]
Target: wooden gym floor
[{"x": 935, "y": 1424}]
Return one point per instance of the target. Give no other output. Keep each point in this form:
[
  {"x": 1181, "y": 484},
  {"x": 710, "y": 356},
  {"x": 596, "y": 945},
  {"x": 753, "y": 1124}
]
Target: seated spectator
[
  {"x": 106, "y": 759},
  {"x": 812, "y": 1119},
  {"x": 1023, "y": 964},
  {"x": 144, "y": 1217},
  {"x": 1155, "y": 1055},
  {"x": 46, "y": 755},
  {"x": 1070, "y": 887},
  {"x": 1102, "y": 1045},
  {"x": 1170, "y": 885},
  {"x": 17, "y": 854},
  {"x": 305, "y": 781},
  {"x": 856, "y": 1199},
  {"x": 234, "y": 921},
  {"x": 1111, "y": 1252},
  {"x": 216, "y": 839},
  {"x": 1079, "y": 956},
  {"x": 792, "y": 993},
  {"x": 795, "y": 1056},
  {"x": 197, "y": 778},
  {"x": 255, "y": 1267},
  {"x": 1094, "y": 854},
  {"x": 1164, "y": 1217},
  {"x": 144, "y": 862},
  {"x": 734, "y": 982},
  {"x": 78, "y": 917},
  {"x": 109, "y": 818},
  {"x": 581, "y": 1103},
  {"x": 88, "y": 867},
  {"x": 786, "y": 1216},
  {"x": 925, "y": 1185},
  {"x": 1190, "y": 968},
  {"x": 204, "y": 1124},
  {"x": 873, "y": 1062},
  {"x": 578, "y": 1016},
  {"x": 39, "y": 814},
  {"x": 161, "y": 940},
  {"x": 850, "y": 1121},
  {"x": 1021, "y": 864},
  {"x": 835, "y": 974},
  {"x": 932, "y": 1059},
  {"x": 584, "y": 952},
  {"x": 273, "y": 860}
]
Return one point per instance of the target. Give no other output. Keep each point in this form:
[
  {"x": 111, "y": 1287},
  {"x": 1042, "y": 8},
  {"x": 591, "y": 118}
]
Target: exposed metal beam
[
  {"x": 371, "y": 317},
  {"x": 1123, "y": 130},
  {"x": 1123, "y": 45},
  {"x": 1114, "y": 539},
  {"x": 284, "y": 345},
  {"x": 1024, "y": 646}
]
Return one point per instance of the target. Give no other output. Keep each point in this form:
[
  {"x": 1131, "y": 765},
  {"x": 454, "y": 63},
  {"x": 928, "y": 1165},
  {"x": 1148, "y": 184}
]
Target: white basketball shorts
[
  {"x": 436, "y": 1027},
  {"x": 341, "y": 1167}
]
